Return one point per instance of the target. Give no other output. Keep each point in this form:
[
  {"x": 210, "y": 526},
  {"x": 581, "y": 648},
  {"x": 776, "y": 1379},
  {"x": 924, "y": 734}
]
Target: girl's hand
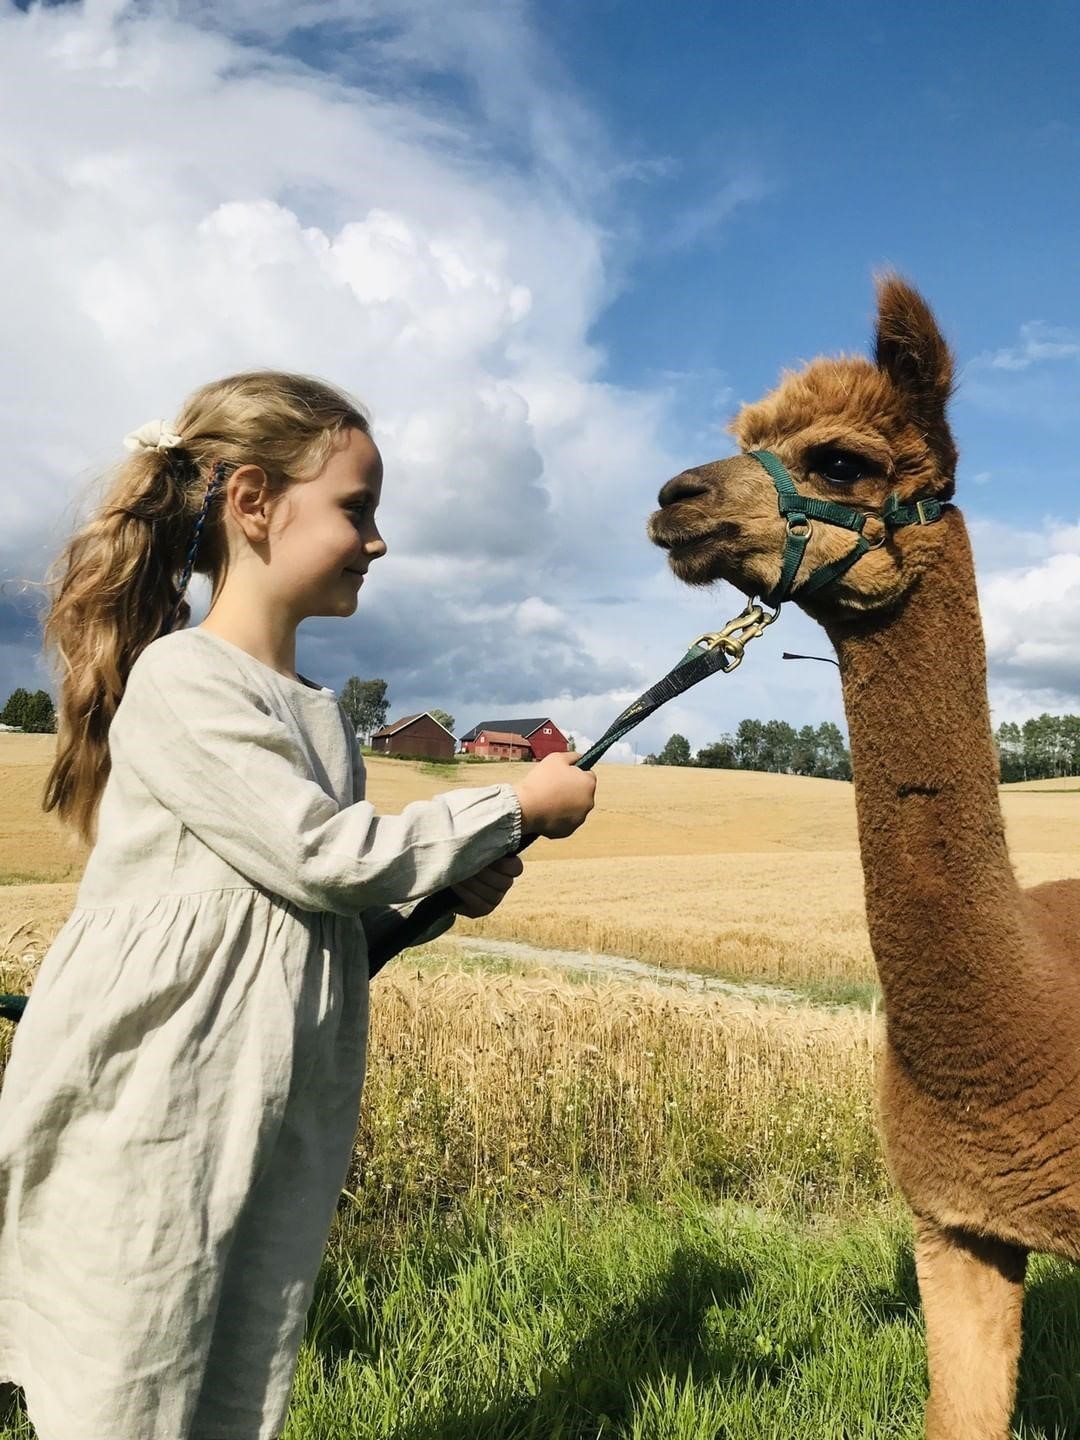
[
  {"x": 555, "y": 796},
  {"x": 482, "y": 892}
]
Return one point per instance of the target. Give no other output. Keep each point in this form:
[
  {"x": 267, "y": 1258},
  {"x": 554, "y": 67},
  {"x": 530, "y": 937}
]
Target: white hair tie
[{"x": 154, "y": 435}]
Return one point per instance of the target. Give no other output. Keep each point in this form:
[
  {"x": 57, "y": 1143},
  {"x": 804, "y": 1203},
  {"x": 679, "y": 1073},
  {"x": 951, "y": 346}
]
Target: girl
[{"x": 181, "y": 1099}]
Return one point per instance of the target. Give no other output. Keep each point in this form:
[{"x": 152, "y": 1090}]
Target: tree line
[
  {"x": 1046, "y": 747},
  {"x": 30, "y": 712},
  {"x": 766, "y": 745}
]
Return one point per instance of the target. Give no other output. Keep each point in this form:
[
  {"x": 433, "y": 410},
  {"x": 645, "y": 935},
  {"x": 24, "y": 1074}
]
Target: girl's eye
[{"x": 841, "y": 467}]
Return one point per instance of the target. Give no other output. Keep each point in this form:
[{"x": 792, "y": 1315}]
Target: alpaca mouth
[
  {"x": 680, "y": 543},
  {"x": 690, "y": 543}
]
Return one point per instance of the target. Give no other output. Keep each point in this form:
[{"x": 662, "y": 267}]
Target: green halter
[{"x": 799, "y": 510}]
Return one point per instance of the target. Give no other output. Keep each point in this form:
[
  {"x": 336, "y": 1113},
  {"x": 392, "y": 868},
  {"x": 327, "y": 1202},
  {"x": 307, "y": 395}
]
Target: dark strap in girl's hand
[{"x": 695, "y": 665}]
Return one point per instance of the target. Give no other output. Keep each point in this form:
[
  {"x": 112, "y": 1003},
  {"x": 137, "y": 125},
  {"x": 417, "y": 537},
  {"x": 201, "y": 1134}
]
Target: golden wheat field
[
  {"x": 744, "y": 873},
  {"x": 527, "y": 1086}
]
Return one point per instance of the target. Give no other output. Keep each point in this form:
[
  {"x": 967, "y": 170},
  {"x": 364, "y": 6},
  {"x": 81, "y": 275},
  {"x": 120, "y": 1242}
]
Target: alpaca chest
[{"x": 1001, "y": 1165}]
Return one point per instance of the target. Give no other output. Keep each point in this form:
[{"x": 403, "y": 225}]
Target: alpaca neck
[{"x": 942, "y": 901}]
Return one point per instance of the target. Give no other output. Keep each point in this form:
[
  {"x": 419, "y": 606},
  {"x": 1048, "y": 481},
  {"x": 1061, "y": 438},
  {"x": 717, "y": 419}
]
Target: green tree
[
  {"x": 365, "y": 703},
  {"x": 675, "y": 752},
  {"x": 444, "y": 718},
  {"x": 1070, "y": 738},
  {"x": 14, "y": 711},
  {"x": 40, "y": 717},
  {"x": 778, "y": 742},
  {"x": 804, "y": 752},
  {"x": 1044, "y": 747},
  {"x": 750, "y": 745},
  {"x": 720, "y": 755},
  {"x": 1038, "y": 747},
  {"x": 1010, "y": 748},
  {"x": 834, "y": 762}
]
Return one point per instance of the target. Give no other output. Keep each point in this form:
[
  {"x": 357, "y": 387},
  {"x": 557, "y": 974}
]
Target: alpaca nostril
[{"x": 683, "y": 487}]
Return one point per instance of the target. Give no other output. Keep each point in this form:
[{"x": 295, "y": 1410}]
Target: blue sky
[
  {"x": 943, "y": 140},
  {"x": 553, "y": 247}
]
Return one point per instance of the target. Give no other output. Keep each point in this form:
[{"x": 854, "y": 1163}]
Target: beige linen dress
[{"x": 181, "y": 1100}]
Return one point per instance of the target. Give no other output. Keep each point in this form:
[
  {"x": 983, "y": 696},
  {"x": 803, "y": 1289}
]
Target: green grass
[
  {"x": 448, "y": 769},
  {"x": 680, "y": 1323},
  {"x": 863, "y": 994},
  {"x": 440, "y": 769},
  {"x": 650, "y": 1324},
  {"x": 829, "y": 990},
  {"x": 624, "y": 1322}
]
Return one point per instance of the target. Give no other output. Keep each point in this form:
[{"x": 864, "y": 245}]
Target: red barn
[
  {"x": 530, "y": 739},
  {"x": 500, "y": 745},
  {"x": 419, "y": 735}
]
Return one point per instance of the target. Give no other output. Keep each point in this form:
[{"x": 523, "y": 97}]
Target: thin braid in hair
[{"x": 217, "y": 479}]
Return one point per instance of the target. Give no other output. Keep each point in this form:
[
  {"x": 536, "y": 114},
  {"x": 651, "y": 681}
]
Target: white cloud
[
  {"x": 695, "y": 224},
  {"x": 1038, "y": 343},
  {"x": 186, "y": 197},
  {"x": 1034, "y": 380},
  {"x": 1029, "y": 592}
]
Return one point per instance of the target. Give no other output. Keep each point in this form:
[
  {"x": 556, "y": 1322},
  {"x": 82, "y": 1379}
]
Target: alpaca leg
[{"x": 972, "y": 1292}]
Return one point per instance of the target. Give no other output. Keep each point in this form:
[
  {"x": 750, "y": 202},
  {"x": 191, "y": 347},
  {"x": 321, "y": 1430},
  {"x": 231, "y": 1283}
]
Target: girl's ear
[
  {"x": 911, "y": 350},
  {"x": 248, "y": 497}
]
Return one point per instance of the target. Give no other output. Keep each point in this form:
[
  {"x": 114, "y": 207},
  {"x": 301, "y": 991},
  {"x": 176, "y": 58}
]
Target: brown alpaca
[{"x": 980, "y": 1092}]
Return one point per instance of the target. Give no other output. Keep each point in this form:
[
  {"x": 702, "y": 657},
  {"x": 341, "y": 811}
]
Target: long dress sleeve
[
  {"x": 208, "y": 747},
  {"x": 380, "y": 920}
]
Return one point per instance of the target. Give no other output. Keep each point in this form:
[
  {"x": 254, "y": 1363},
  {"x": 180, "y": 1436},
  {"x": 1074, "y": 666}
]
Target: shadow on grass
[
  {"x": 1049, "y": 1385},
  {"x": 660, "y": 1335},
  {"x": 673, "y": 1330},
  {"x": 899, "y": 1301}
]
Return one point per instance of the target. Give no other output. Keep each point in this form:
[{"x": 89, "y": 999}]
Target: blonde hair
[{"x": 119, "y": 581}]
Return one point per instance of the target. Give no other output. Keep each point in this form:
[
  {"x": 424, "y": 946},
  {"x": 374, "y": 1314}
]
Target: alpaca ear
[{"x": 911, "y": 350}]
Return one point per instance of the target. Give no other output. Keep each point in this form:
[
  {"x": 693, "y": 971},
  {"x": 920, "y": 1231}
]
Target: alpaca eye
[{"x": 841, "y": 467}]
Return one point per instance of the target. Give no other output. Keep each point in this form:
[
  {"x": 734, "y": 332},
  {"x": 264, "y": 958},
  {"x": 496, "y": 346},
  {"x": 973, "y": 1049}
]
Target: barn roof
[
  {"x": 396, "y": 725},
  {"x": 514, "y": 727}
]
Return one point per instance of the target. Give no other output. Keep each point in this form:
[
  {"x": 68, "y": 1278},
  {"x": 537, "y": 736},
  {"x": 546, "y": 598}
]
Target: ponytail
[{"x": 120, "y": 581}]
